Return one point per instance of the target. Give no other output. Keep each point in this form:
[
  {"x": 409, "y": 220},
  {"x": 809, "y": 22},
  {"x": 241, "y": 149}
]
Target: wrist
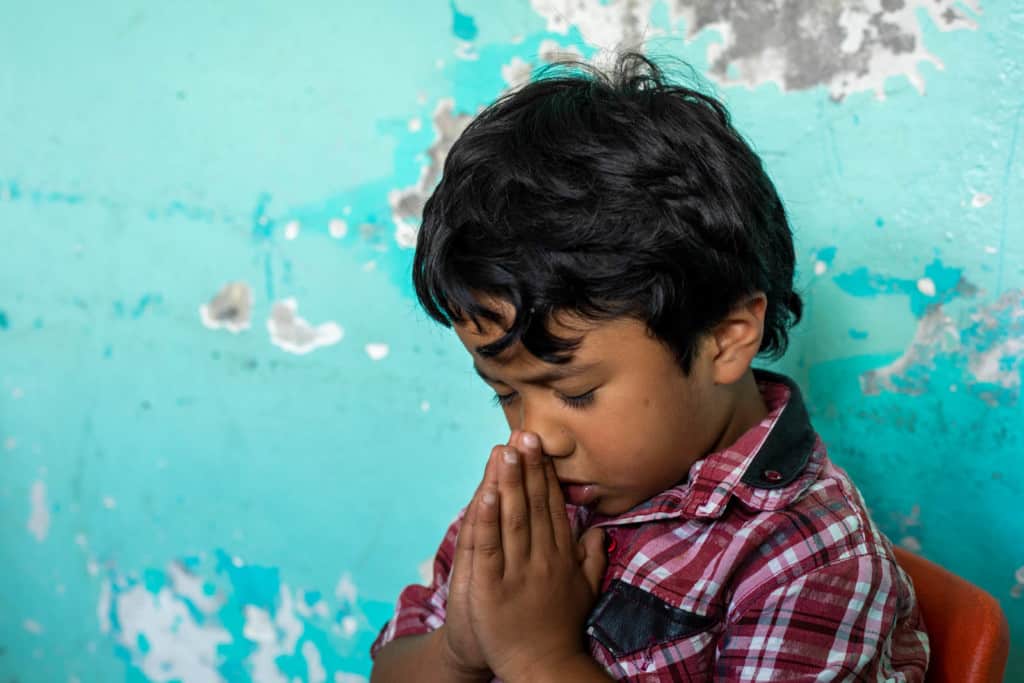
[
  {"x": 454, "y": 669},
  {"x": 575, "y": 666}
]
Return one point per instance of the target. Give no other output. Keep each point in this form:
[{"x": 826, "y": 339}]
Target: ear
[{"x": 737, "y": 339}]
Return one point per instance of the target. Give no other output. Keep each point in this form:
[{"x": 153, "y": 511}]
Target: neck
[{"x": 748, "y": 409}]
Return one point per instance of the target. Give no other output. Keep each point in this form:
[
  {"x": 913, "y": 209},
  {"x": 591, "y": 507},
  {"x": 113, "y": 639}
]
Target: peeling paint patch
[
  {"x": 294, "y": 334},
  {"x": 39, "y": 518},
  {"x": 991, "y": 348},
  {"x": 407, "y": 204},
  {"x": 377, "y": 351},
  {"x": 980, "y": 199},
  {"x": 606, "y": 25},
  {"x": 242, "y": 623},
  {"x": 230, "y": 309},
  {"x": 315, "y": 672},
  {"x": 516, "y": 73},
  {"x": 848, "y": 46},
  {"x": 337, "y": 228}
]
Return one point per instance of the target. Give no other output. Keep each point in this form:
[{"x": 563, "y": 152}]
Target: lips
[{"x": 579, "y": 494}]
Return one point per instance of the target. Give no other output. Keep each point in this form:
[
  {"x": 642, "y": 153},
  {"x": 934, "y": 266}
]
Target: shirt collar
[{"x": 762, "y": 468}]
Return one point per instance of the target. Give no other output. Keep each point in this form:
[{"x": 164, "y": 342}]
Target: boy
[{"x": 613, "y": 257}]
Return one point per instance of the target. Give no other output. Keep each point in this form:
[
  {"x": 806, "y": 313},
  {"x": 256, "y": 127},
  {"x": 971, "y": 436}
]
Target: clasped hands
[{"x": 521, "y": 586}]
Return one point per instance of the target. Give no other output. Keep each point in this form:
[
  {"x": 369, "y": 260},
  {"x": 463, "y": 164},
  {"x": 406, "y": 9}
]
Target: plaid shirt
[{"x": 763, "y": 566}]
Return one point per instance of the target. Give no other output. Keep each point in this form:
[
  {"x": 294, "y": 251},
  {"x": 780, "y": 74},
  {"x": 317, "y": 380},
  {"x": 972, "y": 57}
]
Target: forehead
[{"x": 598, "y": 339}]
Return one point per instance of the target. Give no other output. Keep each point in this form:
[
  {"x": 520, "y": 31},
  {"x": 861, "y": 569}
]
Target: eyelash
[{"x": 577, "y": 402}]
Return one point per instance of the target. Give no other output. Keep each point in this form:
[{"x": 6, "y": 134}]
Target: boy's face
[{"x": 621, "y": 422}]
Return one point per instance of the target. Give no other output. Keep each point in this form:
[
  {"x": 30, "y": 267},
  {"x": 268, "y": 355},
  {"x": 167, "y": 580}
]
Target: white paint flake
[
  {"x": 314, "y": 665},
  {"x": 415, "y": 124},
  {"x": 426, "y": 571},
  {"x": 294, "y": 334},
  {"x": 926, "y": 286},
  {"x": 980, "y": 199},
  {"x": 230, "y": 309},
  {"x": 291, "y": 230},
  {"x": 425, "y": 406},
  {"x": 337, "y": 227},
  {"x": 349, "y": 626},
  {"x": 109, "y": 502},
  {"x": 516, "y": 73},
  {"x": 33, "y": 626},
  {"x": 345, "y": 590},
  {"x": 342, "y": 677},
  {"x": 1018, "y": 588},
  {"x": 377, "y": 351},
  {"x": 39, "y": 517},
  {"x": 820, "y": 267}
]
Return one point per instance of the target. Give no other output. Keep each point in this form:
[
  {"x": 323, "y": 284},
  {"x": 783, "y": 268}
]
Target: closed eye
[{"x": 578, "y": 402}]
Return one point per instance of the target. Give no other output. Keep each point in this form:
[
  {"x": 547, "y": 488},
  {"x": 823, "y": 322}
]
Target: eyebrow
[{"x": 546, "y": 377}]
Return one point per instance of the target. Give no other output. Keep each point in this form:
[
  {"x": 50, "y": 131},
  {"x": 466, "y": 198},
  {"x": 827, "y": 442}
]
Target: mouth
[{"x": 579, "y": 493}]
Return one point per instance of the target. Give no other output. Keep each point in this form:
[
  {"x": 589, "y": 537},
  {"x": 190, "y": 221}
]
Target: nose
[{"x": 555, "y": 440}]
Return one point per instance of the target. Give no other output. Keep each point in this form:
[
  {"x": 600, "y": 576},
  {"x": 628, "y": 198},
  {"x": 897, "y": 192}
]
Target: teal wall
[{"x": 227, "y": 435}]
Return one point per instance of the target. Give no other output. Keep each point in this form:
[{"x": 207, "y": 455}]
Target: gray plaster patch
[
  {"x": 296, "y": 335},
  {"x": 991, "y": 347},
  {"x": 230, "y": 309},
  {"x": 609, "y": 26},
  {"x": 847, "y": 46},
  {"x": 407, "y": 203}
]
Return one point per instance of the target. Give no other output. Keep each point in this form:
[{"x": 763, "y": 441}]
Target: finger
[
  {"x": 560, "y": 526},
  {"x": 488, "y": 558},
  {"x": 462, "y": 562},
  {"x": 594, "y": 560},
  {"x": 515, "y": 523},
  {"x": 535, "y": 477}
]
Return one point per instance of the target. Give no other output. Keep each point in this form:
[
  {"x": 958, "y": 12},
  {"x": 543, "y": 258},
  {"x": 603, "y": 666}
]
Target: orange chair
[{"x": 970, "y": 639}]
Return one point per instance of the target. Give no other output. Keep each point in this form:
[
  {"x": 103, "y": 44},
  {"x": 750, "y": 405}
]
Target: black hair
[{"x": 605, "y": 194}]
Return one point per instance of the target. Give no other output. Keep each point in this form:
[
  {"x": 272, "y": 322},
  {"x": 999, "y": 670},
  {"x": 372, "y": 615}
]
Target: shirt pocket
[{"x": 628, "y": 619}]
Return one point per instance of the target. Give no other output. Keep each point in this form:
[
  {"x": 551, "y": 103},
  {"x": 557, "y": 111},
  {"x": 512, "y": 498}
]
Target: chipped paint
[
  {"x": 296, "y": 335},
  {"x": 848, "y": 46},
  {"x": 178, "y": 625},
  {"x": 39, "y": 516},
  {"x": 407, "y": 204},
  {"x": 337, "y": 228},
  {"x": 377, "y": 351},
  {"x": 980, "y": 199},
  {"x": 229, "y": 309},
  {"x": 605, "y": 25}
]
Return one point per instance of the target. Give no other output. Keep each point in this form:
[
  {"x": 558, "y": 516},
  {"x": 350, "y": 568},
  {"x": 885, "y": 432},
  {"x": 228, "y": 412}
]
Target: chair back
[{"x": 969, "y": 636}]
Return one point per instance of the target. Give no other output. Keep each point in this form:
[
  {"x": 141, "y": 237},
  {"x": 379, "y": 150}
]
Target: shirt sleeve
[
  {"x": 421, "y": 609},
  {"x": 850, "y": 620}
]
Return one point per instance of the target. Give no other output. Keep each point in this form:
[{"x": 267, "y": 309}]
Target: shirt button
[{"x": 771, "y": 475}]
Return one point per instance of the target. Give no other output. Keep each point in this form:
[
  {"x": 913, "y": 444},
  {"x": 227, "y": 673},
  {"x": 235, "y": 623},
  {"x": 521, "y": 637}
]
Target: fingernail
[
  {"x": 489, "y": 497},
  {"x": 511, "y": 457},
  {"x": 529, "y": 440}
]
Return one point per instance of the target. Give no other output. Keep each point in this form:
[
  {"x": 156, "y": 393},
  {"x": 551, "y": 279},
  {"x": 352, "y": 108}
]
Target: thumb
[{"x": 594, "y": 560}]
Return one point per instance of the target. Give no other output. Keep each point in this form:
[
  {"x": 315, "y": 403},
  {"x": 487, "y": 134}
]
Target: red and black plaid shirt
[{"x": 763, "y": 566}]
